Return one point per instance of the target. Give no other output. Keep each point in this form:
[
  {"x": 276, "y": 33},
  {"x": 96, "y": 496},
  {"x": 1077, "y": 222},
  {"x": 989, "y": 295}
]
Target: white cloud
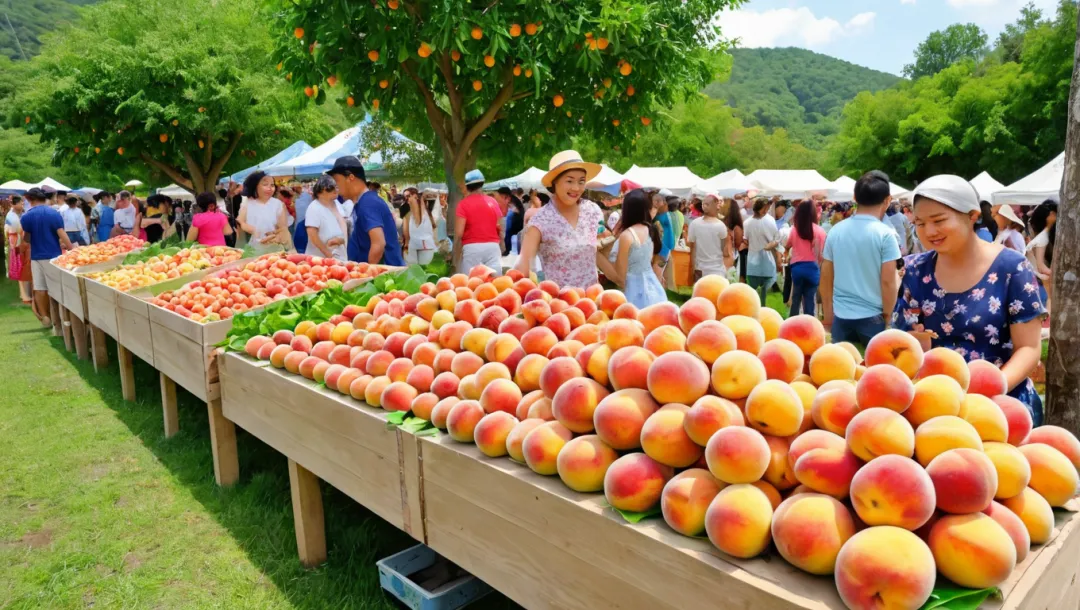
[
  {"x": 966, "y": 3},
  {"x": 787, "y": 27},
  {"x": 907, "y": 1}
]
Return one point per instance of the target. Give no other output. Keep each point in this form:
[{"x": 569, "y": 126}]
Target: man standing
[
  {"x": 125, "y": 215},
  {"x": 374, "y": 235},
  {"x": 780, "y": 212},
  {"x": 478, "y": 228},
  {"x": 858, "y": 275},
  {"x": 710, "y": 249},
  {"x": 678, "y": 219},
  {"x": 101, "y": 217},
  {"x": 667, "y": 238},
  {"x": 43, "y": 228},
  {"x": 75, "y": 222}
]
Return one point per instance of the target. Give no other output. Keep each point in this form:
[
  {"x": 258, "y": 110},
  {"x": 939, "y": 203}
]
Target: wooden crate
[
  {"x": 101, "y": 306},
  {"x": 55, "y": 280},
  {"x": 133, "y": 326},
  {"x": 184, "y": 351},
  {"x": 340, "y": 440},
  {"x": 546, "y": 546},
  {"x": 74, "y": 294}
]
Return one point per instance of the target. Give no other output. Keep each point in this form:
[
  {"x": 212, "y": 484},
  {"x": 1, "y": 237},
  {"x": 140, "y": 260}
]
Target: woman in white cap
[
  {"x": 478, "y": 228},
  {"x": 564, "y": 233},
  {"x": 1010, "y": 228},
  {"x": 979, "y": 299}
]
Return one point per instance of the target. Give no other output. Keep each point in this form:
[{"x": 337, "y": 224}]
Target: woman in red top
[
  {"x": 805, "y": 244},
  {"x": 209, "y": 227}
]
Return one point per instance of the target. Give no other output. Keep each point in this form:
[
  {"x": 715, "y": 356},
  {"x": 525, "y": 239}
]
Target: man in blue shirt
[
  {"x": 859, "y": 283},
  {"x": 43, "y": 227},
  {"x": 374, "y": 237}
]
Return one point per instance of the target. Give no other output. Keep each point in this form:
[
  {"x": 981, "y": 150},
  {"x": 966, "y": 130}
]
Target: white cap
[{"x": 949, "y": 190}]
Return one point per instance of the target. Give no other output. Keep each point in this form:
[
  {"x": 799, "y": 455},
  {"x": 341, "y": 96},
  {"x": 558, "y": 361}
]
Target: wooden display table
[{"x": 56, "y": 298}]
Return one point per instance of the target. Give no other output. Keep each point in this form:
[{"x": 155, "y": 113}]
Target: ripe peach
[
  {"x": 411, "y": 344},
  {"x": 462, "y": 419},
  {"x": 420, "y": 377},
  {"x": 491, "y": 432},
  {"x": 599, "y": 318},
  {"x": 805, "y": 331},
  {"x": 664, "y": 439},
  {"x": 476, "y": 340},
  {"x": 540, "y": 409},
  {"x": 442, "y": 410},
  {"x": 945, "y": 361},
  {"x": 566, "y": 347},
  {"x": 678, "y": 377},
  {"x": 986, "y": 379},
  {"x": 468, "y": 389},
  {"x": 834, "y": 407},
  {"x": 620, "y": 417},
  {"x": 450, "y": 335},
  {"x": 695, "y": 311},
  {"x": 665, "y": 339},
  {"x": 770, "y": 492},
  {"x": 468, "y": 310},
  {"x": 774, "y": 408},
  {"x": 660, "y": 314},
  {"x": 1018, "y": 417},
  {"x": 737, "y": 454},
  {"x": 445, "y": 384},
  {"x": 814, "y": 439},
  {"x": 635, "y": 482},
  {"x": 736, "y": 373},
  {"x": 358, "y": 387},
  {"x": 895, "y": 347},
  {"x": 587, "y": 334},
  {"x": 491, "y": 318},
  {"x": 709, "y": 340},
  {"x": 594, "y": 360},
  {"x": 538, "y": 340},
  {"x": 738, "y": 300},
  {"x": 749, "y": 336},
  {"x": 524, "y": 286},
  {"x": 1013, "y": 469},
  {"x": 425, "y": 353},
  {"x": 1013, "y": 526},
  {"x": 373, "y": 391},
  {"x": 305, "y": 327},
  {"x": 807, "y": 393},
  {"x": 398, "y": 396},
  {"x": 378, "y": 363},
  {"x": 423, "y": 405},
  {"x": 884, "y": 385},
  {"x": 265, "y": 350},
  {"x": 489, "y": 373},
  {"x": 867, "y": 578},
  {"x": 373, "y": 342},
  {"x": 827, "y": 471},
  {"x": 277, "y": 355},
  {"x": 831, "y": 362},
  {"x": 576, "y": 318},
  {"x": 934, "y": 396},
  {"x": 293, "y": 360},
  {"x": 621, "y": 333},
  {"x": 1060, "y": 439},
  {"x": 342, "y": 354},
  {"x": 964, "y": 479},
  {"x": 399, "y": 369},
  {"x": 517, "y": 436},
  {"x": 809, "y": 531},
  {"x": 626, "y": 311},
  {"x": 943, "y": 433},
  {"x": 709, "y": 414},
  {"x": 527, "y": 401},
  {"x": 783, "y": 359},
  {"x": 515, "y": 326},
  {"x": 323, "y": 349},
  {"x": 987, "y": 418},
  {"x": 956, "y": 539},
  {"x": 356, "y": 337},
  {"x": 770, "y": 321},
  {"x": 528, "y": 372},
  {"x": 629, "y": 367},
  {"x": 283, "y": 337},
  {"x": 575, "y": 401},
  {"x": 710, "y": 286},
  {"x": 333, "y": 375},
  {"x": 583, "y": 462},
  {"x": 739, "y": 519},
  {"x": 1035, "y": 512},
  {"x": 609, "y": 301},
  {"x": 1052, "y": 474},
  {"x": 878, "y": 431},
  {"x": 557, "y": 372},
  {"x": 779, "y": 474},
  {"x": 395, "y": 343},
  {"x": 307, "y": 366},
  {"x": 686, "y": 498},
  {"x": 893, "y": 490},
  {"x": 299, "y": 343},
  {"x": 465, "y": 363},
  {"x": 541, "y": 447},
  {"x": 500, "y": 395}
]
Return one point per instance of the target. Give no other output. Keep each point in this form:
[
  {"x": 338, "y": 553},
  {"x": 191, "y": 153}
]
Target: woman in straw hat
[
  {"x": 1010, "y": 228},
  {"x": 564, "y": 233},
  {"x": 976, "y": 298}
]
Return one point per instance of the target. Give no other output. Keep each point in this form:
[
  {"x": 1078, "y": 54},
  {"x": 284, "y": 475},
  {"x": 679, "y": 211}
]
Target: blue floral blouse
[{"x": 975, "y": 323}]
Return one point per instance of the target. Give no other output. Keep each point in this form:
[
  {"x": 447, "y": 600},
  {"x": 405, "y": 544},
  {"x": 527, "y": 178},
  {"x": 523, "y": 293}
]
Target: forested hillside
[{"x": 22, "y": 23}]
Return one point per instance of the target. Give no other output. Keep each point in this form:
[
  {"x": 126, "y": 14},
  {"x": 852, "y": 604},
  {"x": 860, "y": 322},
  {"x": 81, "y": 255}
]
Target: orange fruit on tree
[
  {"x": 515, "y": 30},
  {"x": 626, "y": 69},
  {"x": 331, "y": 80},
  {"x": 424, "y": 50},
  {"x": 600, "y": 93},
  {"x": 383, "y": 84},
  {"x": 489, "y": 61},
  {"x": 530, "y": 29},
  {"x": 528, "y": 73},
  {"x": 27, "y": 120},
  {"x": 97, "y": 150},
  {"x": 476, "y": 33},
  {"x": 375, "y": 104},
  {"x": 350, "y": 101},
  {"x": 646, "y": 121},
  {"x": 76, "y": 150},
  {"x": 308, "y": 91},
  {"x": 288, "y": 77},
  {"x": 201, "y": 144},
  {"x": 591, "y": 44},
  {"x": 569, "y": 114},
  {"x": 607, "y": 82},
  {"x": 392, "y": 4},
  {"x": 517, "y": 72},
  {"x": 175, "y": 122},
  {"x": 373, "y": 55},
  {"x": 455, "y": 54},
  {"x": 477, "y": 85},
  {"x": 558, "y": 101},
  {"x": 615, "y": 122},
  {"x": 602, "y": 43},
  {"x": 120, "y": 151},
  {"x": 588, "y": 36},
  {"x": 163, "y": 138},
  {"x": 280, "y": 66},
  {"x": 298, "y": 32},
  {"x": 630, "y": 91}
]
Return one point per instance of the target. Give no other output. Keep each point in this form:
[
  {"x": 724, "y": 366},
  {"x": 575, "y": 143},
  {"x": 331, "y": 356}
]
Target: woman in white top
[
  {"x": 419, "y": 230},
  {"x": 710, "y": 249},
  {"x": 262, "y": 216},
  {"x": 325, "y": 223},
  {"x": 126, "y": 217},
  {"x": 1009, "y": 228},
  {"x": 1040, "y": 250}
]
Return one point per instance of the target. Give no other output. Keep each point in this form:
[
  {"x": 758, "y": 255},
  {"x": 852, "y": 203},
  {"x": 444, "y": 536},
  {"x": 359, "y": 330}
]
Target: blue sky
[{"x": 880, "y": 34}]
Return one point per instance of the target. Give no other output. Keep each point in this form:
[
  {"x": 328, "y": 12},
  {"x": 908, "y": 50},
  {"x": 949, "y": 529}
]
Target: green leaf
[
  {"x": 636, "y": 517},
  {"x": 395, "y": 418},
  {"x": 958, "y": 598}
]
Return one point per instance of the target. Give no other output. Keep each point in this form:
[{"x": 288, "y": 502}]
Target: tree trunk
[{"x": 1063, "y": 363}]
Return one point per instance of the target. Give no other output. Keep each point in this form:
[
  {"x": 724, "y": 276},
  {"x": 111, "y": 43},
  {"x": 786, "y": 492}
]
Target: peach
[
  {"x": 278, "y": 354},
  {"x": 665, "y": 339},
  {"x": 517, "y": 436},
  {"x": 425, "y": 308},
  {"x": 779, "y": 474},
  {"x": 299, "y": 343},
  {"x": 1035, "y": 512},
  {"x": 378, "y": 363},
  {"x": 395, "y": 344},
  {"x": 678, "y": 377},
  {"x": 868, "y": 578},
  {"x": 770, "y": 321},
  {"x": 266, "y": 349},
  {"x": 1052, "y": 474},
  {"x": 664, "y": 439},
  {"x": 333, "y": 375},
  {"x": 583, "y": 462},
  {"x": 783, "y": 359},
  {"x": 575, "y": 317},
  {"x": 323, "y": 349},
  {"x": 749, "y": 336},
  {"x": 956, "y": 539},
  {"x": 893, "y": 490},
  {"x": 635, "y": 482},
  {"x": 945, "y": 361},
  {"x": 594, "y": 359},
  {"x": 445, "y": 384},
  {"x": 737, "y": 454},
  {"x": 621, "y": 333},
  {"x": 293, "y": 360},
  {"x": 587, "y": 307},
  {"x": 421, "y": 377},
  {"x": 620, "y": 417},
  {"x": 660, "y": 314},
  {"x": 810, "y": 529},
  {"x": 541, "y": 447},
  {"x": 566, "y": 347},
  {"x": 311, "y": 369},
  {"x": 686, "y": 498},
  {"x": 491, "y": 432},
  {"x": 462, "y": 419},
  {"x": 599, "y": 318},
  {"x": 575, "y": 401},
  {"x": 964, "y": 479},
  {"x": 626, "y": 311},
  {"x": 1018, "y": 418},
  {"x": 935, "y": 395},
  {"x": 738, "y": 300},
  {"x": 399, "y": 369},
  {"x": 807, "y": 393},
  {"x": 528, "y": 372},
  {"x": 411, "y": 344},
  {"x": 523, "y": 285},
  {"x": 695, "y": 311},
  {"x": 443, "y": 359},
  {"x": 450, "y": 335},
  {"x": 465, "y": 363},
  {"x": 1060, "y": 439},
  {"x": 441, "y": 411},
  {"x": 710, "y": 286},
  {"x": 709, "y": 340},
  {"x": 541, "y": 409},
  {"x": 538, "y": 340},
  {"x": 987, "y": 418},
  {"x": 814, "y": 439},
  {"x": 468, "y": 388},
  {"x": 1013, "y": 526},
  {"x": 373, "y": 342},
  {"x": 306, "y": 327},
  {"x": 878, "y": 431},
  {"x": 709, "y": 414},
  {"x": 943, "y": 433},
  {"x": 557, "y": 372},
  {"x": 774, "y": 408},
  {"x": 831, "y": 362},
  {"x": 468, "y": 310},
  {"x": 827, "y": 471},
  {"x": 475, "y": 340},
  {"x": 398, "y": 396},
  {"x": 767, "y": 488},
  {"x": 1013, "y": 469},
  {"x": 527, "y": 401},
  {"x": 895, "y": 347},
  {"x": 423, "y": 405},
  {"x": 886, "y": 386},
  {"x": 490, "y": 372},
  {"x": 739, "y": 520},
  {"x": 629, "y": 367},
  {"x": 373, "y": 391},
  {"x": 805, "y": 331},
  {"x": 358, "y": 387},
  {"x": 853, "y": 350},
  {"x": 515, "y": 326},
  {"x": 609, "y": 300},
  {"x": 587, "y": 334},
  {"x": 342, "y": 354},
  {"x": 500, "y": 395},
  {"x": 986, "y": 379},
  {"x": 492, "y": 317},
  {"x": 283, "y": 337},
  {"x": 834, "y": 407},
  {"x": 736, "y": 373}
]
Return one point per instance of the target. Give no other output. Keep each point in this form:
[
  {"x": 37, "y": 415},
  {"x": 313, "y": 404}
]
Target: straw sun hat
[
  {"x": 1009, "y": 213},
  {"x": 566, "y": 161}
]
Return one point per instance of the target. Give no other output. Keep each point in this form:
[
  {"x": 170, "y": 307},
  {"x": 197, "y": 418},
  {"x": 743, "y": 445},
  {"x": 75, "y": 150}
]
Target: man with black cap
[
  {"x": 43, "y": 229},
  {"x": 374, "y": 237}
]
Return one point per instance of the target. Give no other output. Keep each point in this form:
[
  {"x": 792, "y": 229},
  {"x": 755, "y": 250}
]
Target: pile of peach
[{"x": 884, "y": 469}]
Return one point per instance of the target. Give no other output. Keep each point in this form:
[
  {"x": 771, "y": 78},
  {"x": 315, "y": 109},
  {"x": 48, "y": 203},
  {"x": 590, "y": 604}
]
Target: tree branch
[
  {"x": 521, "y": 96},
  {"x": 208, "y": 151},
  {"x": 168, "y": 170},
  {"x": 215, "y": 169},
  {"x": 485, "y": 120},
  {"x": 198, "y": 176},
  {"x": 457, "y": 124},
  {"x": 436, "y": 116}
]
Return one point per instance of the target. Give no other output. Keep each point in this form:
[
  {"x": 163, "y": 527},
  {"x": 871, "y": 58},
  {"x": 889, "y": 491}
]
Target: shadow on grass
[{"x": 257, "y": 511}]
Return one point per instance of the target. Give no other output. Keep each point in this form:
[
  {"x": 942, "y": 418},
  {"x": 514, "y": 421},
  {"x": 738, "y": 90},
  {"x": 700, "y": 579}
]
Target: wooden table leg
[
  {"x": 65, "y": 328},
  {"x": 78, "y": 332},
  {"x": 168, "y": 406},
  {"x": 223, "y": 445},
  {"x": 307, "y": 515},
  {"x": 127, "y": 373},
  {"x": 54, "y": 316},
  {"x": 98, "y": 350}
]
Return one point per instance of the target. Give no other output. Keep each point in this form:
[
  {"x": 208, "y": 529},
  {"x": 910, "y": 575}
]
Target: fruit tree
[{"x": 500, "y": 78}]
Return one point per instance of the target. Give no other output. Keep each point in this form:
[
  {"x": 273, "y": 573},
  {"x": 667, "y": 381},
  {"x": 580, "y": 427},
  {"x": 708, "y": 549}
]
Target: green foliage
[
  {"x": 944, "y": 48},
  {"x": 23, "y": 24},
  {"x": 794, "y": 89},
  {"x": 402, "y": 157}
]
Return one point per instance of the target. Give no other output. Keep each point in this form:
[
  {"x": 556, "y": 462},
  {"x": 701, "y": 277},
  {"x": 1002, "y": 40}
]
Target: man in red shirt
[{"x": 478, "y": 228}]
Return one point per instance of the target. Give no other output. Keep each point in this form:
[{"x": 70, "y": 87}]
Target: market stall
[{"x": 1042, "y": 184}]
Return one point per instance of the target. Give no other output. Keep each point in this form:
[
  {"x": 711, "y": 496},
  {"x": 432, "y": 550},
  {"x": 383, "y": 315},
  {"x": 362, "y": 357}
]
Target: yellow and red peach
[
  {"x": 878, "y": 431},
  {"x": 609, "y": 301},
  {"x": 442, "y": 410},
  {"x": 540, "y": 409},
  {"x": 935, "y": 396},
  {"x": 709, "y": 287},
  {"x": 491, "y": 431},
  {"x": 664, "y": 439},
  {"x": 739, "y": 520},
  {"x": 831, "y": 362},
  {"x": 827, "y": 471},
  {"x": 299, "y": 343},
  {"x": 421, "y": 377},
  {"x": 1013, "y": 526},
  {"x": 805, "y": 331},
  {"x": 626, "y": 311},
  {"x": 378, "y": 363},
  {"x": 583, "y": 462},
  {"x": 810, "y": 529},
  {"x": 738, "y": 300},
  {"x": 398, "y": 396},
  {"x": 373, "y": 391},
  {"x": 411, "y": 344},
  {"x": 450, "y": 335},
  {"x": 774, "y": 408},
  {"x": 516, "y": 438},
  {"x": 660, "y": 314},
  {"x": 500, "y": 395},
  {"x": 465, "y": 363},
  {"x": 557, "y": 372},
  {"x": 1013, "y": 469},
  {"x": 475, "y": 340},
  {"x": 395, "y": 343},
  {"x": 807, "y": 393},
  {"x": 538, "y": 340},
  {"x": 528, "y": 372},
  {"x": 943, "y": 433},
  {"x": 893, "y": 490},
  {"x": 333, "y": 375},
  {"x": 814, "y": 439},
  {"x": 665, "y": 339},
  {"x": 293, "y": 360},
  {"x": 707, "y": 415},
  {"x": 737, "y": 454},
  {"x": 490, "y": 372},
  {"x": 749, "y": 336},
  {"x": 834, "y": 407},
  {"x": 956, "y": 540},
  {"x": 770, "y": 321},
  {"x": 423, "y": 405},
  {"x": 317, "y": 372},
  {"x": 854, "y": 351},
  {"x": 445, "y": 384},
  {"x": 1052, "y": 474},
  {"x": 965, "y": 480},
  {"x": 399, "y": 369},
  {"x": 678, "y": 377},
  {"x": 686, "y": 498},
  {"x": 695, "y": 311},
  {"x": 576, "y": 317},
  {"x": 770, "y": 492},
  {"x": 779, "y": 474},
  {"x": 620, "y": 417},
  {"x": 462, "y": 419},
  {"x": 541, "y": 447},
  {"x": 373, "y": 342},
  {"x": 522, "y": 411},
  {"x": 1059, "y": 438},
  {"x": 266, "y": 349},
  {"x": 358, "y": 387},
  {"x": 536, "y": 312},
  {"x": 945, "y": 361},
  {"x": 514, "y": 326},
  {"x": 575, "y": 401},
  {"x": 895, "y": 347},
  {"x": 987, "y": 418},
  {"x": 559, "y": 324},
  {"x": 565, "y": 348},
  {"x": 284, "y": 337},
  {"x": 323, "y": 349},
  {"x": 709, "y": 340},
  {"x": 443, "y": 359},
  {"x": 986, "y": 379},
  {"x": 621, "y": 333},
  {"x": 629, "y": 367},
  {"x": 635, "y": 482},
  {"x": 886, "y": 386},
  {"x": 783, "y": 360},
  {"x": 342, "y": 354},
  {"x": 1018, "y": 418},
  {"x": 736, "y": 373},
  {"x": 868, "y": 578},
  {"x": 1035, "y": 512},
  {"x": 587, "y": 334}
]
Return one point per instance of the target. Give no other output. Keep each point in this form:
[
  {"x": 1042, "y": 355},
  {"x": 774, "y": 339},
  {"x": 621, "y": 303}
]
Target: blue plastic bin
[{"x": 394, "y": 572}]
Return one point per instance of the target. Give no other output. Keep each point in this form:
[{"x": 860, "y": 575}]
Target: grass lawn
[{"x": 97, "y": 509}]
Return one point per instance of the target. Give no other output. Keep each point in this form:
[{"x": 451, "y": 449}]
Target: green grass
[{"x": 97, "y": 509}]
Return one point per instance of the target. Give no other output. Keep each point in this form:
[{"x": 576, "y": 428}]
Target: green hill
[
  {"x": 795, "y": 89},
  {"x": 23, "y": 22}
]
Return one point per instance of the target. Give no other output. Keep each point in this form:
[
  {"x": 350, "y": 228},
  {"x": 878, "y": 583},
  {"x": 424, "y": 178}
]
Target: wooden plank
[
  {"x": 55, "y": 282},
  {"x": 101, "y": 307},
  {"x": 223, "y": 445},
  {"x": 168, "y": 406},
  {"x": 133, "y": 326},
  {"x": 79, "y": 335},
  {"x": 74, "y": 295},
  {"x": 54, "y": 317},
  {"x": 98, "y": 350},
  {"x": 127, "y": 373},
  {"x": 176, "y": 323},
  {"x": 1049, "y": 578},
  {"x": 307, "y": 515},
  {"x": 65, "y": 327},
  {"x": 412, "y": 489},
  {"x": 183, "y": 359}
]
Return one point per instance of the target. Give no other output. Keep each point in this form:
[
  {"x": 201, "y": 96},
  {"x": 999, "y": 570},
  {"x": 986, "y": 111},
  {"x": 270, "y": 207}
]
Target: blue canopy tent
[
  {"x": 298, "y": 148},
  {"x": 321, "y": 158}
]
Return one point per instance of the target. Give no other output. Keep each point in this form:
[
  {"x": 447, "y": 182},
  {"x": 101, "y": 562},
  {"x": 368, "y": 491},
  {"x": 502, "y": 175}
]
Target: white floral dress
[{"x": 567, "y": 253}]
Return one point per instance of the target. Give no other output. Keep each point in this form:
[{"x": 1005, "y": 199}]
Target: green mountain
[
  {"x": 794, "y": 89},
  {"x": 23, "y": 22}
]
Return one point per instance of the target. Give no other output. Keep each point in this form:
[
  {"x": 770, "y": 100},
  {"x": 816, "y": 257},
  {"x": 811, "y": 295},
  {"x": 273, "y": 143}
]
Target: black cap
[
  {"x": 505, "y": 190},
  {"x": 36, "y": 194},
  {"x": 348, "y": 165}
]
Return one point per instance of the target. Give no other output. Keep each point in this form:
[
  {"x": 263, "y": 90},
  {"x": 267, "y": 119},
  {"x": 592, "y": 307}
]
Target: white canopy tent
[
  {"x": 679, "y": 180},
  {"x": 606, "y": 179},
  {"x": 53, "y": 184},
  {"x": 898, "y": 191},
  {"x": 15, "y": 186},
  {"x": 725, "y": 184},
  {"x": 1044, "y": 183},
  {"x": 527, "y": 180},
  {"x": 843, "y": 189},
  {"x": 174, "y": 191},
  {"x": 790, "y": 183},
  {"x": 986, "y": 186}
]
